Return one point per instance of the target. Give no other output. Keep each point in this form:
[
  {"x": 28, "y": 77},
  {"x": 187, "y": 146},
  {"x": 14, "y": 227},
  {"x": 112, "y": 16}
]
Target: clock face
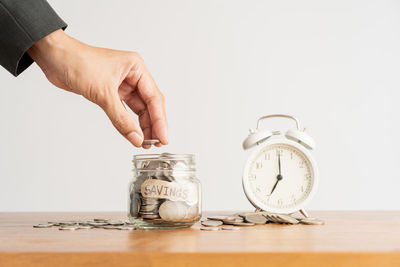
[{"x": 279, "y": 178}]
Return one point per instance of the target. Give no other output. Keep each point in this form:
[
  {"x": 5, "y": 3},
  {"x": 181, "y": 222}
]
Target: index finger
[{"x": 154, "y": 100}]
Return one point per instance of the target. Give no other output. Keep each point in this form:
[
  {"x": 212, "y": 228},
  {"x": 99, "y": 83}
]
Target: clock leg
[
  {"x": 304, "y": 213},
  {"x": 258, "y": 210}
]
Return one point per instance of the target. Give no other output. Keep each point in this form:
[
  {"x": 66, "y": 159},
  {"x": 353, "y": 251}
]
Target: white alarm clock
[{"x": 280, "y": 175}]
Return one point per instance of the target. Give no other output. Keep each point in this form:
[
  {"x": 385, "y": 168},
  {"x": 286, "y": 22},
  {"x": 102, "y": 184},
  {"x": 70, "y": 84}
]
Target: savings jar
[{"x": 164, "y": 192}]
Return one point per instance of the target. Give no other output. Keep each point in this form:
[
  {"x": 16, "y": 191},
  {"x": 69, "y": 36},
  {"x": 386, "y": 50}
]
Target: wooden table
[{"x": 360, "y": 238}]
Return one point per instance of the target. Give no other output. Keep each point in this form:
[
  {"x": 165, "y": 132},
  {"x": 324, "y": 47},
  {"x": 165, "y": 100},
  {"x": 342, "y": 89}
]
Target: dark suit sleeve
[{"x": 22, "y": 23}]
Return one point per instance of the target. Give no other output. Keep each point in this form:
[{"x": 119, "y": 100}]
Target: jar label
[{"x": 154, "y": 188}]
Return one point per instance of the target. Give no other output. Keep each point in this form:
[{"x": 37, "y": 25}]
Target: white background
[{"x": 221, "y": 65}]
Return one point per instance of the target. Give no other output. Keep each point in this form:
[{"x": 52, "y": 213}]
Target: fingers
[
  {"x": 154, "y": 101},
  {"x": 137, "y": 105},
  {"x": 123, "y": 121}
]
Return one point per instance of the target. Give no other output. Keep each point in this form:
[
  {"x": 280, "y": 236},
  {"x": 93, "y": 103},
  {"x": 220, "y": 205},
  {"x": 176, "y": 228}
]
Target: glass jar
[{"x": 164, "y": 193}]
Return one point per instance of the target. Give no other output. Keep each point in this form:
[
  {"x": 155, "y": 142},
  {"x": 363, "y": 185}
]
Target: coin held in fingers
[{"x": 150, "y": 142}]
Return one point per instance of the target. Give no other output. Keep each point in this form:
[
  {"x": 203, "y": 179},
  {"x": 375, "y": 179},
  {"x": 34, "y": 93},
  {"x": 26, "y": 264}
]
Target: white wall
[{"x": 221, "y": 65}]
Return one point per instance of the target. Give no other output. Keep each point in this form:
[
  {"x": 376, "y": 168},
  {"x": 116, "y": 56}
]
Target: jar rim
[
  {"x": 188, "y": 159},
  {"x": 164, "y": 156}
]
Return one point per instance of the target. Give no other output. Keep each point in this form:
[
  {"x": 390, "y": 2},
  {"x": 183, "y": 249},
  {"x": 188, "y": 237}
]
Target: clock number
[
  {"x": 258, "y": 190},
  {"x": 252, "y": 177},
  {"x": 301, "y": 164},
  {"x": 267, "y": 157},
  {"x": 279, "y": 152},
  {"x": 280, "y": 202},
  {"x": 258, "y": 165}
]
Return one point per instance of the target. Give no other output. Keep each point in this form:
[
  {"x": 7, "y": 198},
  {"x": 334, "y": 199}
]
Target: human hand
[{"x": 108, "y": 78}]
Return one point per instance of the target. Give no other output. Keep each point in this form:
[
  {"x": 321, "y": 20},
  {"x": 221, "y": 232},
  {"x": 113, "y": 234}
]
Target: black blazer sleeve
[{"x": 22, "y": 23}]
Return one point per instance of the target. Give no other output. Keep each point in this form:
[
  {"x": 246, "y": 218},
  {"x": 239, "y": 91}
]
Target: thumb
[{"x": 123, "y": 121}]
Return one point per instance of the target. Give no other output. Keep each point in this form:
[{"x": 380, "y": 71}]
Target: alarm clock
[{"x": 280, "y": 175}]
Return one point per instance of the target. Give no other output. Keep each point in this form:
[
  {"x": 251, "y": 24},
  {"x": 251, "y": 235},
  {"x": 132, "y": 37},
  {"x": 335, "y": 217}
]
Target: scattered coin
[
  {"x": 211, "y": 223},
  {"x": 287, "y": 219},
  {"x": 226, "y": 222},
  {"x": 230, "y": 228},
  {"x": 100, "y": 220},
  {"x": 116, "y": 222},
  {"x": 243, "y": 224},
  {"x": 110, "y": 227},
  {"x": 312, "y": 221},
  {"x": 207, "y": 228},
  {"x": 255, "y": 218},
  {"x": 98, "y": 224},
  {"x": 69, "y": 227},
  {"x": 65, "y": 223},
  {"x": 126, "y": 227},
  {"x": 217, "y": 218},
  {"x": 90, "y": 224},
  {"x": 272, "y": 218},
  {"x": 150, "y": 142},
  {"x": 43, "y": 225},
  {"x": 233, "y": 220},
  {"x": 85, "y": 227}
]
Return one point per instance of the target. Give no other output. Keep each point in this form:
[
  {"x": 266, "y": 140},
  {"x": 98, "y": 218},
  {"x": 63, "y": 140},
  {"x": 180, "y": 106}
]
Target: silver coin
[
  {"x": 312, "y": 221},
  {"x": 155, "y": 216},
  {"x": 98, "y": 224},
  {"x": 173, "y": 210},
  {"x": 242, "y": 214},
  {"x": 272, "y": 218},
  {"x": 66, "y": 223},
  {"x": 243, "y": 224},
  {"x": 211, "y": 223},
  {"x": 256, "y": 219},
  {"x": 150, "y": 142},
  {"x": 116, "y": 223},
  {"x": 147, "y": 213},
  {"x": 126, "y": 227},
  {"x": 148, "y": 208},
  {"x": 100, "y": 220},
  {"x": 110, "y": 227},
  {"x": 150, "y": 201},
  {"x": 43, "y": 225},
  {"x": 287, "y": 219},
  {"x": 217, "y": 218},
  {"x": 233, "y": 220},
  {"x": 230, "y": 228},
  {"x": 69, "y": 227},
  {"x": 206, "y": 228},
  {"x": 85, "y": 227}
]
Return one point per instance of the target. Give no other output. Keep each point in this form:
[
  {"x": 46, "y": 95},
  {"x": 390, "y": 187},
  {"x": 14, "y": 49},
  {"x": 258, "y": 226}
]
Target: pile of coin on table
[
  {"x": 95, "y": 223},
  {"x": 234, "y": 222}
]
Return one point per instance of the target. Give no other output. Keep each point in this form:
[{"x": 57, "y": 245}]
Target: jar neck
[{"x": 164, "y": 161}]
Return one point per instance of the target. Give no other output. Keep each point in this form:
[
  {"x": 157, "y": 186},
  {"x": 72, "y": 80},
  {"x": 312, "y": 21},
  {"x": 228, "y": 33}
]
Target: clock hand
[
  {"x": 279, "y": 177},
  {"x": 279, "y": 163}
]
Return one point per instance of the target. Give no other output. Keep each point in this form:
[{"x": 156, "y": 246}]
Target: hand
[{"x": 108, "y": 78}]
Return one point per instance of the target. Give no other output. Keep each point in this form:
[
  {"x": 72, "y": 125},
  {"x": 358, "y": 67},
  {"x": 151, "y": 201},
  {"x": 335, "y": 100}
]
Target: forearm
[{"x": 22, "y": 24}]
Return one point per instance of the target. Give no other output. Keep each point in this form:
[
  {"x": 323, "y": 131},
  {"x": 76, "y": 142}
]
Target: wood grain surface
[{"x": 349, "y": 238}]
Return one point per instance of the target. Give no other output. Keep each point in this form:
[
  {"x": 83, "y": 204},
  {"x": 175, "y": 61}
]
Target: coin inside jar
[{"x": 165, "y": 192}]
